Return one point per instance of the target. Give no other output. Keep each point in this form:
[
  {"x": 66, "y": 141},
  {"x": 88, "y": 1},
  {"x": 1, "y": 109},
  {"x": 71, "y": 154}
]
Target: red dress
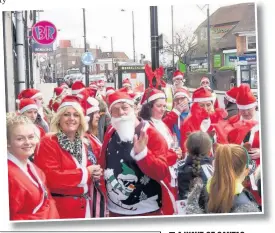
[{"x": 29, "y": 198}]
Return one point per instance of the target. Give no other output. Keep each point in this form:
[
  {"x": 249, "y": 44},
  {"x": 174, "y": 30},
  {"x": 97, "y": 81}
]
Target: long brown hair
[
  {"x": 92, "y": 129},
  {"x": 230, "y": 162}
]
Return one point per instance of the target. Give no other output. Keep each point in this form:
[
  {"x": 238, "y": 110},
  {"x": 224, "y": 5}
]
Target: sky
[{"x": 112, "y": 22}]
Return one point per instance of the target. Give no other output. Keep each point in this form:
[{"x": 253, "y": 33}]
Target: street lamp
[
  {"x": 112, "y": 50},
  {"x": 133, "y": 24}
]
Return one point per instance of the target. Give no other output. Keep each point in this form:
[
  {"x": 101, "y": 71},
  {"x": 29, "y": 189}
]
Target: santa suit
[
  {"x": 171, "y": 155},
  {"x": 29, "y": 199},
  {"x": 171, "y": 118},
  {"x": 152, "y": 161},
  {"x": 67, "y": 179},
  {"x": 95, "y": 143}
]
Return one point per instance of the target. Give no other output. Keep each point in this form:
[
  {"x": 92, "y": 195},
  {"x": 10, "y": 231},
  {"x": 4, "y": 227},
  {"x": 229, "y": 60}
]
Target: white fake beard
[
  {"x": 205, "y": 124},
  {"x": 125, "y": 126}
]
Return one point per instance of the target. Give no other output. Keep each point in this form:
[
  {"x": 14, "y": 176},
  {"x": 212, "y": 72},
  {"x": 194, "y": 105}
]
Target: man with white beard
[{"x": 134, "y": 158}]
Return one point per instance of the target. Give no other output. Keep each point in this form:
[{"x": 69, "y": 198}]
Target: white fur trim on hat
[
  {"x": 66, "y": 104},
  {"x": 131, "y": 102},
  {"x": 36, "y": 95},
  {"x": 126, "y": 85},
  {"x": 28, "y": 107},
  {"x": 178, "y": 76},
  {"x": 17, "y": 101},
  {"x": 229, "y": 98},
  {"x": 80, "y": 96},
  {"x": 248, "y": 106},
  {"x": 180, "y": 95},
  {"x": 109, "y": 92},
  {"x": 92, "y": 109},
  {"x": 204, "y": 99},
  {"x": 92, "y": 101},
  {"x": 75, "y": 92},
  {"x": 156, "y": 96}
]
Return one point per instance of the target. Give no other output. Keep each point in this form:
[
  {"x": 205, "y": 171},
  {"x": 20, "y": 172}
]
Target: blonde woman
[
  {"x": 224, "y": 192},
  {"x": 29, "y": 198},
  {"x": 63, "y": 156}
]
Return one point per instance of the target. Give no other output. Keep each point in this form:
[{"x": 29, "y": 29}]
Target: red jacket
[
  {"x": 27, "y": 200},
  {"x": 65, "y": 176}
]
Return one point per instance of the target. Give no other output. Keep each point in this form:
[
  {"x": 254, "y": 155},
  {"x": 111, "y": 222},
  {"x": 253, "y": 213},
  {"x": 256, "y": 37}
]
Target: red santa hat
[
  {"x": 204, "y": 79},
  {"x": 245, "y": 98},
  {"x": 101, "y": 83},
  {"x": 70, "y": 100},
  {"x": 110, "y": 90},
  {"x": 178, "y": 75},
  {"x": 55, "y": 106},
  {"x": 92, "y": 105},
  {"x": 28, "y": 94},
  {"x": 202, "y": 94},
  {"x": 151, "y": 95},
  {"x": 77, "y": 87},
  {"x": 182, "y": 92},
  {"x": 126, "y": 83},
  {"x": 118, "y": 97},
  {"x": 27, "y": 104},
  {"x": 58, "y": 91},
  {"x": 231, "y": 94}
]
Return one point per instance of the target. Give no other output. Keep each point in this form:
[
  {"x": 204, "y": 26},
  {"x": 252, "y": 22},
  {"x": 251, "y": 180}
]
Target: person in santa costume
[
  {"x": 230, "y": 102},
  {"x": 29, "y": 197},
  {"x": 127, "y": 83},
  {"x": 93, "y": 85},
  {"x": 202, "y": 116},
  {"x": 28, "y": 108},
  {"x": 134, "y": 156},
  {"x": 182, "y": 98},
  {"x": 246, "y": 130},
  {"x": 69, "y": 165},
  {"x": 205, "y": 82},
  {"x": 178, "y": 80},
  {"x": 152, "y": 110},
  {"x": 58, "y": 95},
  {"x": 101, "y": 92},
  {"x": 37, "y": 96}
]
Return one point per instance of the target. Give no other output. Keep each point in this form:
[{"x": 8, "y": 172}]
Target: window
[
  {"x": 251, "y": 43},
  {"x": 203, "y": 33}
]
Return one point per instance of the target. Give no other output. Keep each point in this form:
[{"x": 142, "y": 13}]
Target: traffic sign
[
  {"x": 87, "y": 59},
  {"x": 44, "y": 32}
]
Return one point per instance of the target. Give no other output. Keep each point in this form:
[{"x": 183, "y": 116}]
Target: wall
[
  {"x": 241, "y": 45},
  {"x": 10, "y": 91},
  {"x": 47, "y": 90}
]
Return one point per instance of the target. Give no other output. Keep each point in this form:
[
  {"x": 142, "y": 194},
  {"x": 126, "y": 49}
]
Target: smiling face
[
  {"x": 70, "y": 121},
  {"x": 247, "y": 114},
  {"x": 22, "y": 141}
]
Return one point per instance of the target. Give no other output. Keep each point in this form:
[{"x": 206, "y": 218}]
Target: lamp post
[
  {"x": 208, "y": 41},
  {"x": 112, "y": 50},
  {"x": 85, "y": 49},
  {"x": 172, "y": 19},
  {"x": 133, "y": 25}
]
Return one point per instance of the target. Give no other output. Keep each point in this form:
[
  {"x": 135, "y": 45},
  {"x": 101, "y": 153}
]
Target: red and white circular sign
[{"x": 44, "y": 32}]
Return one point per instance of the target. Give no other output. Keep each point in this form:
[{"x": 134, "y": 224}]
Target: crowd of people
[{"x": 95, "y": 152}]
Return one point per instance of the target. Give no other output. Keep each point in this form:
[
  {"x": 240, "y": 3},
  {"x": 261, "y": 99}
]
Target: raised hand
[{"x": 141, "y": 142}]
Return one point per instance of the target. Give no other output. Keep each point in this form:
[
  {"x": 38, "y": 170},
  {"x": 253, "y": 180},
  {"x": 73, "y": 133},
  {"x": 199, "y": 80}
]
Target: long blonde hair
[
  {"x": 230, "y": 162},
  {"x": 55, "y": 126}
]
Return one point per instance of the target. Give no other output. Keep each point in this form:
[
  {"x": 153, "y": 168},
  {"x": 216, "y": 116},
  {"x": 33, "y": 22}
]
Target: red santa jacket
[
  {"x": 95, "y": 143},
  {"x": 154, "y": 164},
  {"x": 29, "y": 197},
  {"x": 171, "y": 118},
  {"x": 41, "y": 130},
  {"x": 65, "y": 176}
]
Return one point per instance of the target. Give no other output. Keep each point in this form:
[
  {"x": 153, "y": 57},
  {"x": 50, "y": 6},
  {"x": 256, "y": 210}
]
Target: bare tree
[{"x": 184, "y": 43}]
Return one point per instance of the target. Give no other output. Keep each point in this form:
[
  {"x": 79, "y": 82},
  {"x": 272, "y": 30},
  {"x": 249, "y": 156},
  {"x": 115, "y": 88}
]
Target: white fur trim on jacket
[
  {"x": 176, "y": 111},
  {"x": 140, "y": 155}
]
